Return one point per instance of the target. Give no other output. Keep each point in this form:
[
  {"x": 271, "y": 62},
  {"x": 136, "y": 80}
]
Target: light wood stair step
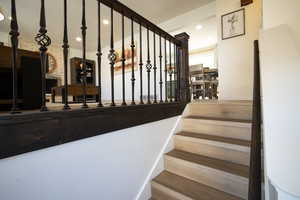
[
  {"x": 238, "y": 129},
  {"x": 229, "y": 167},
  {"x": 226, "y": 109},
  {"x": 234, "y": 141},
  {"x": 226, "y": 119},
  {"x": 229, "y": 149},
  {"x": 222, "y": 175},
  {"x": 182, "y": 189}
]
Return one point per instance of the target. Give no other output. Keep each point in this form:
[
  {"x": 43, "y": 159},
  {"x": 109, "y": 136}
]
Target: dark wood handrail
[
  {"x": 255, "y": 175},
  {"x": 131, "y": 14}
]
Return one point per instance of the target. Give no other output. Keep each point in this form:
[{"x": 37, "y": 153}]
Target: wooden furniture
[
  {"x": 29, "y": 79},
  {"x": 204, "y": 82},
  {"x": 76, "y": 91},
  {"x": 77, "y": 73}
]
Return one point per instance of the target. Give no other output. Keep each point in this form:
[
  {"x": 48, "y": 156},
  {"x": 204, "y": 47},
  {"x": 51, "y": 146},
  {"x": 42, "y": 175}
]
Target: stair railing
[
  {"x": 171, "y": 65},
  {"x": 255, "y": 175},
  {"x": 22, "y": 132}
]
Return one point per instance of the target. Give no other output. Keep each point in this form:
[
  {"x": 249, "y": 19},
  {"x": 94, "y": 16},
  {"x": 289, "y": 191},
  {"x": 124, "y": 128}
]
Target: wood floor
[{"x": 210, "y": 159}]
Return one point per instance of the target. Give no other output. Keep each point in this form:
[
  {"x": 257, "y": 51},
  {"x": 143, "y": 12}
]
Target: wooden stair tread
[
  {"x": 191, "y": 188},
  {"x": 233, "y": 168},
  {"x": 218, "y": 119},
  {"x": 216, "y": 138}
]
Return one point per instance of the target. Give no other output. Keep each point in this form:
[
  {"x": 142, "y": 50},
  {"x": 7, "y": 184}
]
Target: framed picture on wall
[{"x": 233, "y": 24}]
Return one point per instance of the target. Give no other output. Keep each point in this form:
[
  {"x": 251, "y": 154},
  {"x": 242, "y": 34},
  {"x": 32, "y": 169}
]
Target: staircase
[{"x": 211, "y": 157}]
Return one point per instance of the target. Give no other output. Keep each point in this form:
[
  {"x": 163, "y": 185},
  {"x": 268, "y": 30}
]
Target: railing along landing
[{"x": 22, "y": 132}]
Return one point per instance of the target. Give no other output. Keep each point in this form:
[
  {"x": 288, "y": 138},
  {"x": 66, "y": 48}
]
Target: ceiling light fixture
[
  {"x": 10, "y": 18},
  {"x": 78, "y": 39},
  {"x": 105, "y": 21},
  {"x": 199, "y": 27}
]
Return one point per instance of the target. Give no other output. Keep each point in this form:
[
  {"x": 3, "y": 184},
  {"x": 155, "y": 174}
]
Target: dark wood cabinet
[
  {"x": 76, "y": 72},
  {"x": 29, "y": 79}
]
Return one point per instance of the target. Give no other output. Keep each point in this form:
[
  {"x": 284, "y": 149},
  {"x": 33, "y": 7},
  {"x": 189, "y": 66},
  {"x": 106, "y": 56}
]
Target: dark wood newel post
[{"x": 183, "y": 92}]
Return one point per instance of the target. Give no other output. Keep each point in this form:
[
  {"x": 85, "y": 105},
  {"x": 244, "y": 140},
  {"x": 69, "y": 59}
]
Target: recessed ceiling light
[
  {"x": 1, "y": 16},
  {"x": 10, "y": 18},
  {"x": 199, "y": 27},
  {"x": 78, "y": 39},
  {"x": 105, "y": 21}
]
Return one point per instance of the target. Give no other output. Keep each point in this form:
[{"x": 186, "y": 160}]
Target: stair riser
[
  {"x": 233, "y": 153},
  {"x": 218, "y": 128},
  {"x": 232, "y": 111},
  {"x": 226, "y": 182},
  {"x": 160, "y": 192}
]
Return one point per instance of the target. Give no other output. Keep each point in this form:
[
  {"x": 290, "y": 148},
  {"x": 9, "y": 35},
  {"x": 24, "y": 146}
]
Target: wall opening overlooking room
[{"x": 202, "y": 56}]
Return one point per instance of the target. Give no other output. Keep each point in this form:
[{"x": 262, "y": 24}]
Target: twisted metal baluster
[
  {"x": 154, "y": 67},
  {"x": 99, "y": 56},
  {"x": 112, "y": 56},
  {"x": 160, "y": 70},
  {"x": 66, "y": 55},
  {"x": 43, "y": 40},
  {"x": 148, "y": 66},
  {"x": 141, "y": 66},
  {"x": 132, "y": 63},
  {"x": 123, "y": 62},
  {"x": 14, "y": 33}
]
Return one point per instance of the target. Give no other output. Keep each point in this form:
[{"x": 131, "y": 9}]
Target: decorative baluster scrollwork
[
  {"x": 44, "y": 41},
  {"x": 112, "y": 57},
  {"x": 148, "y": 66}
]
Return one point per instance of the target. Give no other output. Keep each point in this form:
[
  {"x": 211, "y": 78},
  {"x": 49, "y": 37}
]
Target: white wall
[
  {"x": 236, "y": 54},
  {"x": 280, "y": 60},
  {"x": 4, "y": 37},
  {"x": 109, "y": 167},
  {"x": 206, "y": 58}
]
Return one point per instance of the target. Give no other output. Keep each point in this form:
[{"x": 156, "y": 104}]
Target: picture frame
[
  {"x": 246, "y": 2},
  {"x": 233, "y": 24}
]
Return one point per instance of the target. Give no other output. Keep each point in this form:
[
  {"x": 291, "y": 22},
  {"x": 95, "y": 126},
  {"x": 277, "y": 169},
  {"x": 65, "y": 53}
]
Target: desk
[{"x": 76, "y": 91}]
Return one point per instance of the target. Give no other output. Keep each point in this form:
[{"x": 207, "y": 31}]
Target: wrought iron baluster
[
  {"x": 112, "y": 56},
  {"x": 43, "y": 40},
  {"x": 148, "y": 66},
  {"x": 132, "y": 63},
  {"x": 175, "y": 72},
  {"x": 170, "y": 71},
  {"x": 123, "y": 61},
  {"x": 160, "y": 70},
  {"x": 154, "y": 67},
  {"x": 99, "y": 57},
  {"x": 141, "y": 66},
  {"x": 14, "y": 34},
  {"x": 83, "y": 32},
  {"x": 166, "y": 71},
  {"x": 66, "y": 55}
]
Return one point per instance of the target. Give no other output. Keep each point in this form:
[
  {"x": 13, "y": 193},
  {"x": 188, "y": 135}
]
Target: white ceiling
[{"x": 157, "y": 11}]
